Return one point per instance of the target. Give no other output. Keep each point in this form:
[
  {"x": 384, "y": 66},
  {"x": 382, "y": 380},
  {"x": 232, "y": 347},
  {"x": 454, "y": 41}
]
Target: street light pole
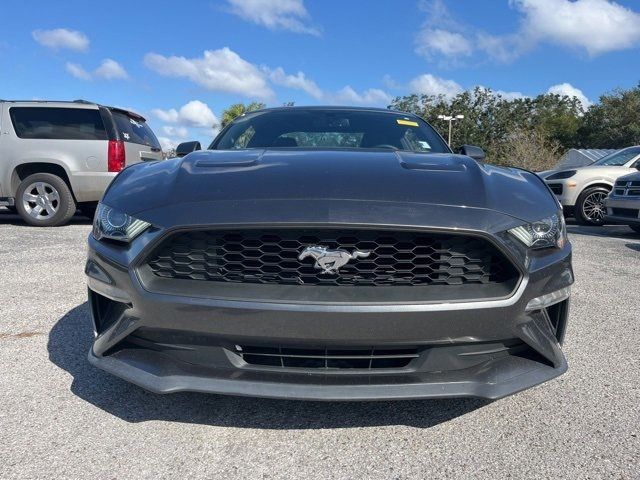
[{"x": 450, "y": 119}]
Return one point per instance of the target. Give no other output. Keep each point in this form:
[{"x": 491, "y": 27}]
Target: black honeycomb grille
[{"x": 271, "y": 257}]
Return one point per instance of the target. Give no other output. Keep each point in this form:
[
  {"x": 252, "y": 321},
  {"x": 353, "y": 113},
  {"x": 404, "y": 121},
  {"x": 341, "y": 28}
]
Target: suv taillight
[{"x": 115, "y": 156}]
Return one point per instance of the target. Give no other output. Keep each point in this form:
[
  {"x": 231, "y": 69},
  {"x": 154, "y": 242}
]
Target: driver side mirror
[
  {"x": 186, "y": 148},
  {"x": 472, "y": 151}
]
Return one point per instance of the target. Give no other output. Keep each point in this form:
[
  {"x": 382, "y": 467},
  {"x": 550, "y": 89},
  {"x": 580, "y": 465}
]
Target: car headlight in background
[
  {"x": 562, "y": 175},
  {"x": 115, "y": 225},
  {"x": 548, "y": 232}
]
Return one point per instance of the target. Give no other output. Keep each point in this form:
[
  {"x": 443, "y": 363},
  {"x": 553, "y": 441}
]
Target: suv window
[
  {"x": 58, "y": 123},
  {"x": 135, "y": 130}
]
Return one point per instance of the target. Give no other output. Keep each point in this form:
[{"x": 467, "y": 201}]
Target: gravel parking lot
[{"x": 62, "y": 418}]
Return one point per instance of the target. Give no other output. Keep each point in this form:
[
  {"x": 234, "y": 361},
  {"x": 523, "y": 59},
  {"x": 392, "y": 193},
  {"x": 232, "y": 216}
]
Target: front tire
[
  {"x": 45, "y": 200},
  {"x": 590, "y": 207}
]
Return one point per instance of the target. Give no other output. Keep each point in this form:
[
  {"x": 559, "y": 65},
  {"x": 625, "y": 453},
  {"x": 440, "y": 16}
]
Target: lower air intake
[{"x": 327, "y": 358}]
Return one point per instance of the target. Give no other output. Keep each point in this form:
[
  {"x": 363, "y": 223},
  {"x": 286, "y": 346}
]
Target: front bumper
[
  {"x": 565, "y": 191},
  {"x": 169, "y": 343},
  {"x": 622, "y": 210}
]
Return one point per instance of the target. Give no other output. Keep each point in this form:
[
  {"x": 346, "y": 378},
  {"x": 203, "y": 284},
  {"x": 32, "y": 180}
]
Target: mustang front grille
[
  {"x": 386, "y": 258},
  {"x": 327, "y": 358}
]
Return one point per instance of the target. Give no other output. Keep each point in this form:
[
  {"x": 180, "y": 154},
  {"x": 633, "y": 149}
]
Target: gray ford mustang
[{"x": 329, "y": 253}]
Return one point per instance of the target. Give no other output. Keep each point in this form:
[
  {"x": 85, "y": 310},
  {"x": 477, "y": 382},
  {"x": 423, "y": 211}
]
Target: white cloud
[
  {"x": 197, "y": 114},
  {"x": 371, "y": 96},
  {"x": 503, "y": 48},
  {"x": 109, "y": 69},
  {"x": 566, "y": 89},
  {"x": 440, "y": 35},
  {"x": 598, "y": 26},
  {"x": 193, "y": 121},
  {"x": 389, "y": 82},
  {"x": 60, "y": 38},
  {"x": 275, "y": 14},
  {"x": 192, "y": 114},
  {"x": 167, "y": 143},
  {"x": 77, "y": 71},
  {"x": 169, "y": 116},
  {"x": 431, "y": 41},
  {"x": 428, "y": 84},
  {"x": 298, "y": 81},
  {"x": 175, "y": 132},
  {"x": 347, "y": 95},
  {"x": 221, "y": 70}
]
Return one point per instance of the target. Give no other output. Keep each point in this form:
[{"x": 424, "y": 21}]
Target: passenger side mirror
[
  {"x": 186, "y": 148},
  {"x": 472, "y": 151}
]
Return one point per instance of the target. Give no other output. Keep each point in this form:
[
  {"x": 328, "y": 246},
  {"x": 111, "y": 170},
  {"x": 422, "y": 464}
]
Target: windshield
[
  {"x": 330, "y": 128},
  {"x": 619, "y": 158}
]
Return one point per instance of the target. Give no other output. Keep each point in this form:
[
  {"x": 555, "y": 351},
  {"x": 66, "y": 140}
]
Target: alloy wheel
[
  {"x": 41, "y": 200},
  {"x": 593, "y": 207}
]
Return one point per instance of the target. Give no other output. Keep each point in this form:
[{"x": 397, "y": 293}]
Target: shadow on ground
[
  {"x": 633, "y": 246},
  {"x": 8, "y": 217},
  {"x": 612, "y": 231},
  {"x": 69, "y": 342}
]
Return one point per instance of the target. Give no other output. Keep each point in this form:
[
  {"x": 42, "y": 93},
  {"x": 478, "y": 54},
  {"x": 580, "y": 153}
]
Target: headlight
[
  {"x": 562, "y": 175},
  {"x": 548, "y": 232},
  {"x": 115, "y": 225}
]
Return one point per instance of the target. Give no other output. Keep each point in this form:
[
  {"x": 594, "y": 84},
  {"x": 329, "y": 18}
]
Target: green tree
[
  {"x": 237, "y": 109},
  {"x": 494, "y": 122},
  {"x": 614, "y": 122}
]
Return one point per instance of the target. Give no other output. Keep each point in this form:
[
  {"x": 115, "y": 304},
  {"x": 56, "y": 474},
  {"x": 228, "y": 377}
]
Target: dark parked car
[
  {"x": 623, "y": 203},
  {"x": 334, "y": 254}
]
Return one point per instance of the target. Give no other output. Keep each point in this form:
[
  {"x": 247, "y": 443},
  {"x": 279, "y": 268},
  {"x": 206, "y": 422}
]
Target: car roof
[
  {"x": 74, "y": 104},
  {"x": 335, "y": 108}
]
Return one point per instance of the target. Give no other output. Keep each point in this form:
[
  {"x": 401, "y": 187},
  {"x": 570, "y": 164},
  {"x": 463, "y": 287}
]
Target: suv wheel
[
  {"x": 45, "y": 200},
  {"x": 590, "y": 207}
]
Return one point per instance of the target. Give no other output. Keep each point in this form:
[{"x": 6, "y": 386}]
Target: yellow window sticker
[{"x": 409, "y": 123}]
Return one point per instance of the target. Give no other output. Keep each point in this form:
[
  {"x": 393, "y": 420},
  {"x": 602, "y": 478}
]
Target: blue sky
[{"x": 180, "y": 63}]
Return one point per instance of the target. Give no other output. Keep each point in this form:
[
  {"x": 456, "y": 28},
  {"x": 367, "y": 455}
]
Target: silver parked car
[
  {"x": 623, "y": 203},
  {"x": 56, "y": 157},
  {"x": 582, "y": 190}
]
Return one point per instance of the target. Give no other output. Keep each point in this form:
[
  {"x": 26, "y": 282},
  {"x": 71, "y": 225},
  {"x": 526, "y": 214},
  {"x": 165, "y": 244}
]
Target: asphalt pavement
[{"x": 62, "y": 418}]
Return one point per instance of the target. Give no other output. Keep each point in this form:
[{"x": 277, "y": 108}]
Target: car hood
[
  {"x": 330, "y": 175},
  {"x": 632, "y": 177}
]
